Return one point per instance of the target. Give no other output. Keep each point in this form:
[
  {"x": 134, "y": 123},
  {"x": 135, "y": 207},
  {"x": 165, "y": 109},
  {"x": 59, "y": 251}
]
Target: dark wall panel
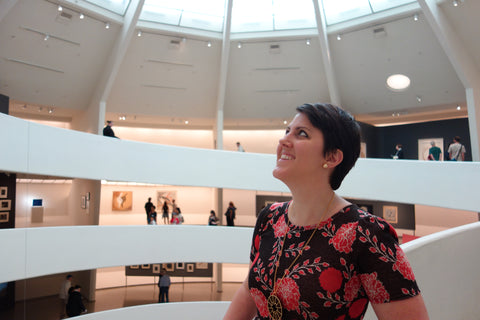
[{"x": 4, "y": 101}]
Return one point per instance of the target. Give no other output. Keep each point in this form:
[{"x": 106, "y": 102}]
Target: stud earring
[{"x": 325, "y": 166}]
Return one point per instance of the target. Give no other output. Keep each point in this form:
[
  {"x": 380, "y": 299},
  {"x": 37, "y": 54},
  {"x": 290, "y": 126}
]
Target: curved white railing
[
  {"x": 445, "y": 263},
  {"x": 33, "y": 148}
]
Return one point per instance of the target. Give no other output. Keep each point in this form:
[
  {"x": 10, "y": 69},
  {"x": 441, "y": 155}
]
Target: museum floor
[{"x": 106, "y": 299}]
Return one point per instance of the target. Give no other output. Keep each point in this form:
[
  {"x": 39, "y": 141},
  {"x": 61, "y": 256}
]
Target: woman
[
  {"x": 212, "y": 219},
  {"x": 165, "y": 212},
  {"x": 319, "y": 256},
  {"x": 230, "y": 214}
]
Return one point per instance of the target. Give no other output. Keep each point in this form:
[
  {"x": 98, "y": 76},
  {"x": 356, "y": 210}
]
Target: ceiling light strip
[
  {"x": 162, "y": 87},
  {"x": 50, "y": 35},
  {"x": 35, "y": 65},
  {"x": 277, "y": 91},
  {"x": 170, "y": 63},
  {"x": 277, "y": 69}
]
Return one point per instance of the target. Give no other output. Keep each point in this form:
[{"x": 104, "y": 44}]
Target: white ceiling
[{"x": 163, "y": 84}]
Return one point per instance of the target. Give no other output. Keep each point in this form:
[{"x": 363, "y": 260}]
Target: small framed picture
[
  {"x": 134, "y": 267},
  {"x": 180, "y": 266},
  {"x": 5, "y": 205},
  {"x": 83, "y": 202},
  {"x": 190, "y": 267},
  {"x": 3, "y": 192},
  {"x": 156, "y": 268},
  {"x": 145, "y": 266},
  {"x": 390, "y": 214},
  {"x": 4, "y": 216},
  {"x": 202, "y": 265},
  {"x": 170, "y": 267}
]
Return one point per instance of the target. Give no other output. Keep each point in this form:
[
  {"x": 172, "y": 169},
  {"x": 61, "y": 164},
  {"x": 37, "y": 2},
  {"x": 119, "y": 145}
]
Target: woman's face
[{"x": 300, "y": 151}]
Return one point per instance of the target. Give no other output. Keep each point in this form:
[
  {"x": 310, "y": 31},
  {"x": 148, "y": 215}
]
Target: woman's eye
[
  {"x": 302, "y": 133},
  {"x": 287, "y": 131}
]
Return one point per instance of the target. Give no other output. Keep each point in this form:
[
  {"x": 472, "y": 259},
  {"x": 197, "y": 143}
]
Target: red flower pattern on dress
[
  {"x": 402, "y": 264},
  {"x": 344, "y": 238},
  {"x": 357, "y": 308},
  {"x": 280, "y": 228},
  {"x": 260, "y": 301},
  {"x": 351, "y": 288},
  {"x": 374, "y": 288},
  {"x": 331, "y": 279},
  {"x": 288, "y": 292},
  {"x": 275, "y": 205}
]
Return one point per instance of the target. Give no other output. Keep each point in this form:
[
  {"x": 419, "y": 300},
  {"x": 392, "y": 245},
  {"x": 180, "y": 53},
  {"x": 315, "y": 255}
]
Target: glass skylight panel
[
  {"x": 342, "y": 10},
  {"x": 252, "y": 15},
  {"x": 117, "y": 6},
  {"x": 380, "y": 5},
  {"x": 299, "y": 14},
  {"x": 206, "y": 14}
]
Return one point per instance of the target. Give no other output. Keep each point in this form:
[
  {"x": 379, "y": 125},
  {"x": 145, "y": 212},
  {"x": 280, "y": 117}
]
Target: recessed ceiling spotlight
[
  {"x": 458, "y": 107},
  {"x": 139, "y": 33},
  {"x": 415, "y": 17},
  {"x": 186, "y": 121},
  {"x": 308, "y": 42},
  {"x": 284, "y": 121},
  {"x": 419, "y": 99},
  {"x": 239, "y": 45},
  {"x": 50, "y": 110},
  {"x": 81, "y": 16},
  {"x": 398, "y": 82},
  {"x": 339, "y": 37},
  {"x": 122, "y": 118},
  {"x": 60, "y": 8},
  {"x": 107, "y": 25},
  {"x": 46, "y": 37},
  {"x": 455, "y": 3},
  {"x": 209, "y": 44}
]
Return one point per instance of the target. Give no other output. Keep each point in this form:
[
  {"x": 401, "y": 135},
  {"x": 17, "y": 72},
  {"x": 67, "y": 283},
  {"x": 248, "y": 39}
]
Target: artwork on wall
[
  {"x": 363, "y": 149},
  {"x": 3, "y": 192},
  {"x": 424, "y": 145},
  {"x": 174, "y": 269},
  {"x": 122, "y": 200},
  {"x": 5, "y": 205},
  {"x": 163, "y": 196},
  {"x": 4, "y": 216},
  {"x": 83, "y": 202},
  {"x": 390, "y": 214}
]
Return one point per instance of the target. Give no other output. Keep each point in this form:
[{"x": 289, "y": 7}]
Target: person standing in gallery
[
  {"x": 75, "y": 304},
  {"x": 240, "y": 148},
  {"x": 164, "y": 285},
  {"x": 108, "y": 131},
  {"x": 434, "y": 153},
  {"x": 165, "y": 212},
  {"x": 399, "y": 152},
  {"x": 456, "y": 150},
  {"x": 318, "y": 256},
  {"x": 153, "y": 215},
  {"x": 63, "y": 294},
  {"x": 148, "y": 207},
  {"x": 212, "y": 219},
  {"x": 230, "y": 214}
]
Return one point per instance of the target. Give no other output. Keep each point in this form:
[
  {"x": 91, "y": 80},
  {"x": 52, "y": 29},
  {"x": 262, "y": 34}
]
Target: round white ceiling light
[{"x": 398, "y": 82}]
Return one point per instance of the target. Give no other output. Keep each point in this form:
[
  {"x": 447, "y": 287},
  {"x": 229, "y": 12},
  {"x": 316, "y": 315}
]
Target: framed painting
[
  {"x": 390, "y": 214},
  {"x": 3, "y": 192},
  {"x": 122, "y": 200}
]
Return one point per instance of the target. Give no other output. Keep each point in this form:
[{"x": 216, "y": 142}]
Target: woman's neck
[{"x": 311, "y": 206}]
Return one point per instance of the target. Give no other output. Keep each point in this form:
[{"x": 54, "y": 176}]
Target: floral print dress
[{"x": 353, "y": 258}]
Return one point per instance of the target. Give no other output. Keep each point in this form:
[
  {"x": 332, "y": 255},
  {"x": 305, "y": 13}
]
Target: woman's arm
[
  {"x": 242, "y": 306},
  {"x": 407, "y": 309}
]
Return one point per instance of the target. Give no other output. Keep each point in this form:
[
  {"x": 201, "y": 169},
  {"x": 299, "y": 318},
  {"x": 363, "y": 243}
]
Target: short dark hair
[
  {"x": 457, "y": 138},
  {"x": 340, "y": 131},
  {"x": 109, "y": 121},
  {"x": 69, "y": 276}
]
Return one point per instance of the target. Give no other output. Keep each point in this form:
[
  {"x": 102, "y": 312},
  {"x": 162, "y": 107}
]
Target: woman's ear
[{"x": 334, "y": 158}]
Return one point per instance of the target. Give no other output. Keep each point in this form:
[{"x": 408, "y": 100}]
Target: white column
[
  {"x": 463, "y": 63},
  {"x": 222, "y": 86},
  {"x": 326, "y": 55}
]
